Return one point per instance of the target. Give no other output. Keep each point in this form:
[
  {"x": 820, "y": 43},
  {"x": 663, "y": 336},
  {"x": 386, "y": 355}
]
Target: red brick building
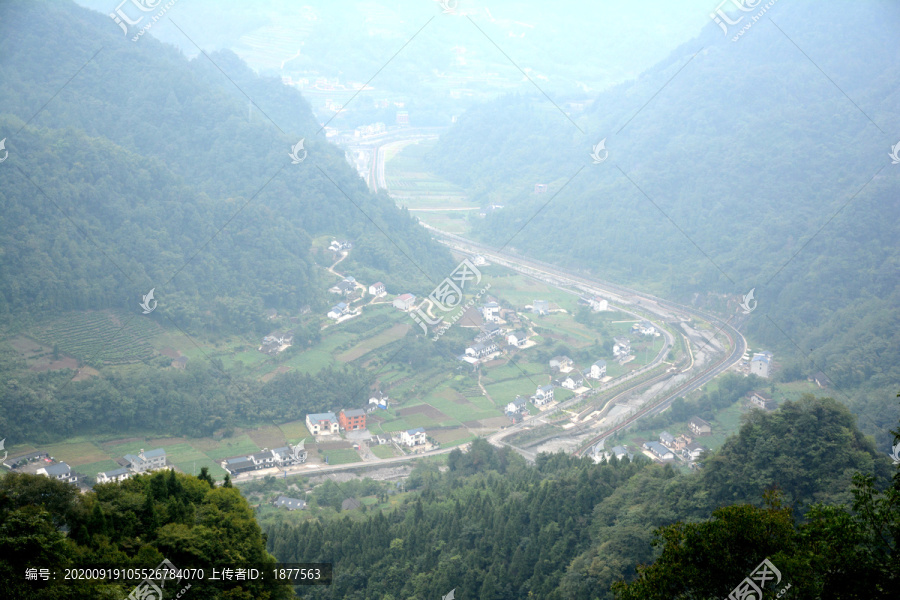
[{"x": 353, "y": 419}]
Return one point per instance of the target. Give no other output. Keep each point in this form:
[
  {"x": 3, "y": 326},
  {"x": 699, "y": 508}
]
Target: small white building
[
  {"x": 598, "y": 370},
  {"x": 572, "y": 381},
  {"x": 59, "y": 471},
  {"x": 622, "y": 347},
  {"x": 517, "y": 339},
  {"x": 490, "y": 312},
  {"x": 377, "y": 289},
  {"x": 404, "y": 302},
  {"x": 114, "y": 476},
  {"x": 761, "y": 364},
  {"x": 413, "y": 437},
  {"x": 516, "y": 407},
  {"x": 543, "y": 395}
]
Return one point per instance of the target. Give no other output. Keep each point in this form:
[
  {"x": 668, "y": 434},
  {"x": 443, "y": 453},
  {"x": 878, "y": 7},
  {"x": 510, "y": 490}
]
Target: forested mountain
[
  {"x": 494, "y": 528},
  {"x": 130, "y": 165},
  {"x": 135, "y": 524},
  {"x": 758, "y": 164}
]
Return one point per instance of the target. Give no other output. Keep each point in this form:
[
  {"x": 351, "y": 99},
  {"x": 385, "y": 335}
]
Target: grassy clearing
[
  {"x": 76, "y": 453},
  {"x": 91, "y": 469},
  {"x": 393, "y": 334},
  {"x": 384, "y": 451},
  {"x": 341, "y": 456},
  {"x": 236, "y": 446}
]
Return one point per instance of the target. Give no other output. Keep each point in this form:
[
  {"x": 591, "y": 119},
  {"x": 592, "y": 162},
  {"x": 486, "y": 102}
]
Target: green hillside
[{"x": 731, "y": 167}]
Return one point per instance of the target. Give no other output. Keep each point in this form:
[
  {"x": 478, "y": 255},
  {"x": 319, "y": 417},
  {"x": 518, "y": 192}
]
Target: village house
[
  {"x": 490, "y": 312},
  {"x": 353, "y": 419},
  {"x": 572, "y": 381},
  {"x": 659, "y": 451},
  {"x": 344, "y": 288},
  {"x": 692, "y": 451},
  {"x": 413, "y": 437},
  {"x": 644, "y": 328},
  {"x": 598, "y": 370},
  {"x": 59, "y": 471},
  {"x": 490, "y": 330},
  {"x": 543, "y": 395},
  {"x": 379, "y": 400},
  {"x": 667, "y": 439},
  {"x": 377, "y": 289},
  {"x": 114, "y": 476},
  {"x": 322, "y": 423},
  {"x": 265, "y": 459},
  {"x": 337, "y": 246},
  {"x": 621, "y": 347},
  {"x": 481, "y": 349},
  {"x": 290, "y": 503},
  {"x": 276, "y": 341},
  {"x": 146, "y": 461},
  {"x": 820, "y": 379},
  {"x": 517, "y": 339},
  {"x": 600, "y": 455},
  {"x": 338, "y": 310},
  {"x": 561, "y": 363},
  {"x": 598, "y": 304},
  {"x": 681, "y": 441},
  {"x": 699, "y": 427},
  {"x": 760, "y": 400},
  {"x": 540, "y": 307},
  {"x": 404, "y": 302},
  {"x": 761, "y": 364},
  {"x": 516, "y": 407}
]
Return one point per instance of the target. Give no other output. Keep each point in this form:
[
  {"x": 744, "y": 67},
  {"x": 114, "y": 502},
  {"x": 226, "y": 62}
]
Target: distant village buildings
[{"x": 761, "y": 364}]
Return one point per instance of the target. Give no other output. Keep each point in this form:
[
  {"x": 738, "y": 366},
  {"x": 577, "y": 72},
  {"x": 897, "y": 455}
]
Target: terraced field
[{"x": 109, "y": 337}]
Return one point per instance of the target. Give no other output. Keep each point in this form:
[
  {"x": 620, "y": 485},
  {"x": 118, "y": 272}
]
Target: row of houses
[
  {"x": 348, "y": 419},
  {"x": 279, "y": 457},
  {"x": 135, "y": 464}
]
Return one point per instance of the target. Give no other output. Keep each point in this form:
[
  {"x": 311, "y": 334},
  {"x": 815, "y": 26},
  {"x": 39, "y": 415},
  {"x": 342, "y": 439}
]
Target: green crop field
[
  {"x": 111, "y": 337},
  {"x": 341, "y": 456},
  {"x": 384, "y": 451},
  {"x": 233, "y": 447}
]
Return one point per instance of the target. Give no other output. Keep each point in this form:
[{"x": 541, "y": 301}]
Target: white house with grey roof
[
  {"x": 543, "y": 395},
  {"x": 598, "y": 370},
  {"x": 59, "y": 471},
  {"x": 150, "y": 460},
  {"x": 413, "y": 437},
  {"x": 322, "y": 423},
  {"x": 114, "y": 476}
]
